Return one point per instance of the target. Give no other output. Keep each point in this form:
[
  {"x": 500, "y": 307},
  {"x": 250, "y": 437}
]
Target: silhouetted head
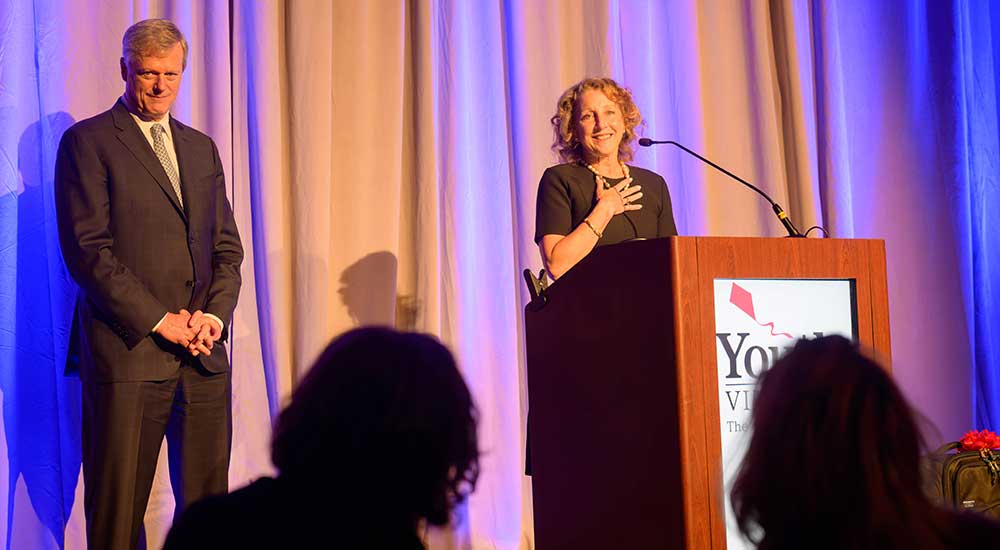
[
  {"x": 383, "y": 419},
  {"x": 834, "y": 454}
]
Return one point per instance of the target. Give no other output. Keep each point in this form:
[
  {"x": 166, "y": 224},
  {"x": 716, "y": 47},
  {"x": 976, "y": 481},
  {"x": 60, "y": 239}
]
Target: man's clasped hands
[{"x": 195, "y": 331}]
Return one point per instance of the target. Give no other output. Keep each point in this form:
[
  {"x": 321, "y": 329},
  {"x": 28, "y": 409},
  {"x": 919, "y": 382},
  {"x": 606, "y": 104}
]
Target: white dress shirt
[{"x": 146, "y": 127}]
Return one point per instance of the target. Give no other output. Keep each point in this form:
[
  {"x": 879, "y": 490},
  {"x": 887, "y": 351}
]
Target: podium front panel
[{"x": 623, "y": 380}]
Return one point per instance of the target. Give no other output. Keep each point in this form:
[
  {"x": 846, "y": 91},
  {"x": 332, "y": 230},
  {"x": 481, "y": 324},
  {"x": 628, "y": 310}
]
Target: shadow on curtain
[{"x": 41, "y": 406}]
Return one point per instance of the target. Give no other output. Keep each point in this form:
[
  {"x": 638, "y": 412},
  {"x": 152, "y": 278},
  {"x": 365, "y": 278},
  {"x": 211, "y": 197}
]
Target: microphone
[{"x": 778, "y": 210}]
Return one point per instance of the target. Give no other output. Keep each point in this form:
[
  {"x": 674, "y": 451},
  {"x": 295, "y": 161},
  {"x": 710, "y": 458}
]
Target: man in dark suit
[{"x": 148, "y": 234}]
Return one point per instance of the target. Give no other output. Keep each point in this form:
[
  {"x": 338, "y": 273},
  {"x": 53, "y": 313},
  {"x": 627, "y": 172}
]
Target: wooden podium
[{"x": 622, "y": 381}]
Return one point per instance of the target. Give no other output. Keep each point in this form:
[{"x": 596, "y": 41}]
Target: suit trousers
[{"x": 124, "y": 424}]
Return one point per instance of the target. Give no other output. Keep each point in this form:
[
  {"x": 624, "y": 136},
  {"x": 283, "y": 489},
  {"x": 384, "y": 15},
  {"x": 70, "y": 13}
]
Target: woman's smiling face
[{"x": 600, "y": 126}]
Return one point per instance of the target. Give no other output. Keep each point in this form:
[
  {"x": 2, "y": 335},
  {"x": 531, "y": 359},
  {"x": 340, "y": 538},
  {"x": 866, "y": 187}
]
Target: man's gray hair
[{"x": 152, "y": 36}]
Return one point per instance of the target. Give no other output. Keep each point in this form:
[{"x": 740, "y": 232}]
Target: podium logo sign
[{"x": 756, "y": 321}]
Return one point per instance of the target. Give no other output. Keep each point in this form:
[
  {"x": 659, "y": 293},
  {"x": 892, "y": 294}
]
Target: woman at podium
[{"x": 593, "y": 198}]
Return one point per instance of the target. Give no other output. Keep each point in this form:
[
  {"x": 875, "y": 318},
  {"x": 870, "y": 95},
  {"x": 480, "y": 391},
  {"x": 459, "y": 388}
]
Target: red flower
[{"x": 978, "y": 440}]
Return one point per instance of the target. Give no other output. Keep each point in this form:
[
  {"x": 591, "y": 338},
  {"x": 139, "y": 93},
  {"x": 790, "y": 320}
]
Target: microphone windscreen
[{"x": 645, "y": 142}]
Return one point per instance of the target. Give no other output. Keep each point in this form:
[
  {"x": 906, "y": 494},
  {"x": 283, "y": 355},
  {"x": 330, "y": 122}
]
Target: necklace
[{"x": 600, "y": 179}]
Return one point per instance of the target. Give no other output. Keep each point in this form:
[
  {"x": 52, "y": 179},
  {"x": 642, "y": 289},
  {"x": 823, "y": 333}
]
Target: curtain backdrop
[{"x": 383, "y": 158}]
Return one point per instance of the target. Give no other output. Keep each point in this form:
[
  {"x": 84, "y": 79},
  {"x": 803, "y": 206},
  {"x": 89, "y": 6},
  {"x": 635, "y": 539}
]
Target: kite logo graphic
[{"x": 741, "y": 298}]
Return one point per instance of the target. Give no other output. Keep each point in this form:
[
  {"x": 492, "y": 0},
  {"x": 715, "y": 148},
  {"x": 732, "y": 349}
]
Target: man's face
[{"x": 152, "y": 81}]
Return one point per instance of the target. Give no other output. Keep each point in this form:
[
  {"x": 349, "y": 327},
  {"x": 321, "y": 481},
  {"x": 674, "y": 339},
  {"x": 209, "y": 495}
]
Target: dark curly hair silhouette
[
  {"x": 384, "y": 412},
  {"x": 379, "y": 437},
  {"x": 834, "y": 461}
]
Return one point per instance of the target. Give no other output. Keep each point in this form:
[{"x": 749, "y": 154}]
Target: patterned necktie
[{"x": 161, "y": 153}]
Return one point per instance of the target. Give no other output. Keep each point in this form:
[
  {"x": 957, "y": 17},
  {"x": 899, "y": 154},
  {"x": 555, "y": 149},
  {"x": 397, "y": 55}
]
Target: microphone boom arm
[{"x": 778, "y": 210}]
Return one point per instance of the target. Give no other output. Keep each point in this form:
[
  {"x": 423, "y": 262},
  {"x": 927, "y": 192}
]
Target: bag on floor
[{"x": 966, "y": 480}]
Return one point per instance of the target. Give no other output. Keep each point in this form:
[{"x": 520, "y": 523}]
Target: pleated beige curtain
[
  {"x": 360, "y": 108},
  {"x": 384, "y": 157}
]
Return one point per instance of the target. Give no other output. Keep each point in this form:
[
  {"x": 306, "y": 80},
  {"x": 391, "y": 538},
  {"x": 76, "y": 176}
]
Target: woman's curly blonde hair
[{"x": 566, "y": 142}]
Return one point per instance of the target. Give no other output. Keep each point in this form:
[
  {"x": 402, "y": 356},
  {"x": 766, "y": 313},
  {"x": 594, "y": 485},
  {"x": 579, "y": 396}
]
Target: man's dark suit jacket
[{"x": 135, "y": 252}]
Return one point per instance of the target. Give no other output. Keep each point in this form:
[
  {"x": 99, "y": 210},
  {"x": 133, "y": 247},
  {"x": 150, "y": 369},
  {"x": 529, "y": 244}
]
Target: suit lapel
[
  {"x": 131, "y": 137},
  {"x": 185, "y": 153}
]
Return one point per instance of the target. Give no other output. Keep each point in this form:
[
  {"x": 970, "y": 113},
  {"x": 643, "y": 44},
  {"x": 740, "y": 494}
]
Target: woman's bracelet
[{"x": 592, "y": 228}]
